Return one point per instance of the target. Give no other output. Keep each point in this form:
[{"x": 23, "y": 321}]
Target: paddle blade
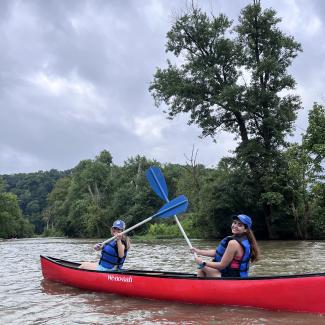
[
  {"x": 157, "y": 182},
  {"x": 176, "y": 206}
]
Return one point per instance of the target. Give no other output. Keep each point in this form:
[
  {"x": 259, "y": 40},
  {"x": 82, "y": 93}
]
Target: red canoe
[{"x": 300, "y": 293}]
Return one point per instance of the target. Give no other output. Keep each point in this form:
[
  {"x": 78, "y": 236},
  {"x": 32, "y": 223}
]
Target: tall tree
[
  {"x": 233, "y": 79},
  {"x": 306, "y": 170}
]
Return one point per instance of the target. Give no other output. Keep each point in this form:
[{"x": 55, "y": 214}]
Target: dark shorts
[{"x": 230, "y": 274}]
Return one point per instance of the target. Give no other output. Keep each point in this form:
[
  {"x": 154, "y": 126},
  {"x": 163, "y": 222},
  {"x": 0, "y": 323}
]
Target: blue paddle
[
  {"x": 157, "y": 182},
  {"x": 175, "y": 206}
]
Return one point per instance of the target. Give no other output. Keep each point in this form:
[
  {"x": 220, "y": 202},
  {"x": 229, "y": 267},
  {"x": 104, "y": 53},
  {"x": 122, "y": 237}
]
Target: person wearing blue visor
[
  {"x": 233, "y": 255},
  {"x": 113, "y": 254}
]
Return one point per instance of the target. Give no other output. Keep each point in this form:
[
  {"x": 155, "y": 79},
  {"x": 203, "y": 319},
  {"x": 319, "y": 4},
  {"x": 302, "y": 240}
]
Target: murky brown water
[{"x": 25, "y": 298}]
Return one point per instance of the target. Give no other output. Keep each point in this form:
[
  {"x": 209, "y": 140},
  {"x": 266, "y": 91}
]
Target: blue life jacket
[
  {"x": 109, "y": 257},
  {"x": 244, "y": 263}
]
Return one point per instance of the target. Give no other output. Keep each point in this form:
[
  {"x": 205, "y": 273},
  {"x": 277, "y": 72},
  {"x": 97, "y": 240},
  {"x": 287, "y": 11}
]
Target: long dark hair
[
  {"x": 127, "y": 241},
  {"x": 255, "y": 251}
]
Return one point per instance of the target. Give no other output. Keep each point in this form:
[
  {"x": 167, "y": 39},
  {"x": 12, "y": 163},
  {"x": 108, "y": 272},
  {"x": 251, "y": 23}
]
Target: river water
[{"x": 25, "y": 298}]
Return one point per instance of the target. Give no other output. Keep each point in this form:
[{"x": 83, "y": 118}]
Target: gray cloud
[{"x": 74, "y": 78}]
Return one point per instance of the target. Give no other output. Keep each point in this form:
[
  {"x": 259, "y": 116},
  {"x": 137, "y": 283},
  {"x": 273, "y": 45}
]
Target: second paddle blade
[{"x": 176, "y": 206}]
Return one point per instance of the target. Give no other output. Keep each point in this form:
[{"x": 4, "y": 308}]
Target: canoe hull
[{"x": 305, "y": 293}]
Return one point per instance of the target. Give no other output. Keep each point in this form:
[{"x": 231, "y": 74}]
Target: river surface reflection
[{"x": 26, "y": 298}]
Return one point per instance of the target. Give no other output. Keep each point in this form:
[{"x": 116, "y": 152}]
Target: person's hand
[
  {"x": 194, "y": 250},
  {"x": 198, "y": 260},
  {"x": 119, "y": 236},
  {"x": 98, "y": 247}
]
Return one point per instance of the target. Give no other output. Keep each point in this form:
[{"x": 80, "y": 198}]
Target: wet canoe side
[{"x": 300, "y": 293}]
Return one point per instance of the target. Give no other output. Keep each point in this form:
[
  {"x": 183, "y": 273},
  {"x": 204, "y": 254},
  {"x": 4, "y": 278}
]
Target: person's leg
[
  {"x": 88, "y": 265},
  {"x": 200, "y": 273},
  {"x": 208, "y": 272}
]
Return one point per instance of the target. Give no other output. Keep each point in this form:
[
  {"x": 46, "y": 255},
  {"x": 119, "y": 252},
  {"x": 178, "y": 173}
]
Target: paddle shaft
[
  {"x": 175, "y": 216},
  {"x": 129, "y": 229}
]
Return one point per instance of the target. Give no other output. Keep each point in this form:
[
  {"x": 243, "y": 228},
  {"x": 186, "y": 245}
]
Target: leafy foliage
[
  {"x": 12, "y": 224},
  {"x": 32, "y": 190},
  {"x": 232, "y": 79},
  {"x": 306, "y": 171}
]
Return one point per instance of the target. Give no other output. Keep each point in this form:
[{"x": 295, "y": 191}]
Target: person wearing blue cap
[
  {"x": 113, "y": 253},
  {"x": 234, "y": 253}
]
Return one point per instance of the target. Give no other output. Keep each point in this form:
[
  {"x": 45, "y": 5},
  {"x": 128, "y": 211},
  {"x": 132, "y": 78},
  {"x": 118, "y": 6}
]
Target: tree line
[
  {"x": 84, "y": 201},
  {"x": 226, "y": 77}
]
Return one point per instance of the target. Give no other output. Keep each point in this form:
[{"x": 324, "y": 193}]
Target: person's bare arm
[
  {"x": 227, "y": 257},
  {"x": 120, "y": 246},
  {"x": 204, "y": 252}
]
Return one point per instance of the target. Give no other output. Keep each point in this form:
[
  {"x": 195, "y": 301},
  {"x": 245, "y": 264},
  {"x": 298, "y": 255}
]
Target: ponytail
[{"x": 255, "y": 251}]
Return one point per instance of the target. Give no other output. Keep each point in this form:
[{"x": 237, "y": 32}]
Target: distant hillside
[{"x": 32, "y": 190}]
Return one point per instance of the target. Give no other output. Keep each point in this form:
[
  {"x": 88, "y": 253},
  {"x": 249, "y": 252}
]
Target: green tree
[
  {"x": 133, "y": 199},
  {"x": 96, "y": 193},
  {"x": 12, "y": 224},
  {"x": 105, "y": 157},
  {"x": 32, "y": 190},
  {"x": 306, "y": 168},
  {"x": 87, "y": 195},
  {"x": 55, "y": 215},
  {"x": 318, "y": 211},
  {"x": 233, "y": 80},
  {"x": 2, "y": 185},
  {"x": 314, "y": 139}
]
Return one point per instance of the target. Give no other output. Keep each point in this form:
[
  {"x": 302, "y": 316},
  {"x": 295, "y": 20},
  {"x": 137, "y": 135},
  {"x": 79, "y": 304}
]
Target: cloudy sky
[{"x": 74, "y": 78}]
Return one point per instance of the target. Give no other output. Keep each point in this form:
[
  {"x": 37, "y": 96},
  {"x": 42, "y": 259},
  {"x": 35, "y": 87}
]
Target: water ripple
[{"x": 25, "y": 298}]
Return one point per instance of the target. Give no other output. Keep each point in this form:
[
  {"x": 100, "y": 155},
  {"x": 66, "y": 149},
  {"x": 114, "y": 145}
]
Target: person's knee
[
  {"x": 88, "y": 266},
  {"x": 200, "y": 274},
  {"x": 82, "y": 265},
  {"x": 213, "y": 273}
]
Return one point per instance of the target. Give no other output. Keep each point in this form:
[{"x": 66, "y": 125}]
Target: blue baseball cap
[
  {"x": 120, "y": 224},
  {"x": 246, "y": 220}
]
